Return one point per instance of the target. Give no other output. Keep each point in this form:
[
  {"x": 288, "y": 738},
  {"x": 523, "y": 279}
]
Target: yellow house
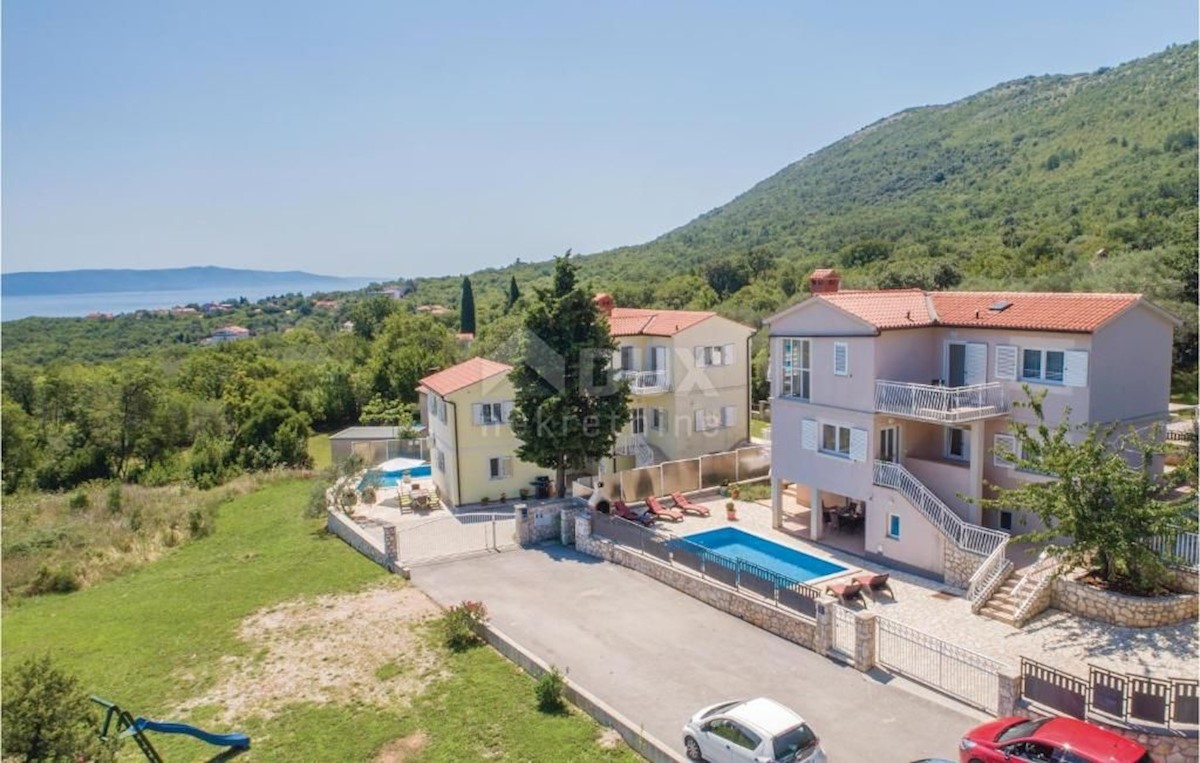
[
  {"x": 472, "y": 446},
  {"x": 689, "y": 378}
]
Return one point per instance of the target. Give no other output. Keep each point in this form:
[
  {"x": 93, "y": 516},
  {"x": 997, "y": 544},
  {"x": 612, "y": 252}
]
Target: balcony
[
  {"x": 941, "y": 405},
  {"x": 646, "y": 382}
]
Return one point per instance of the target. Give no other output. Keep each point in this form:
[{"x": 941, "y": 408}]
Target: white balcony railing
[
  {"x": 974, "y": 538},
  {"x": 646, "y": 382},
  {"x": 946, "y": 405}
]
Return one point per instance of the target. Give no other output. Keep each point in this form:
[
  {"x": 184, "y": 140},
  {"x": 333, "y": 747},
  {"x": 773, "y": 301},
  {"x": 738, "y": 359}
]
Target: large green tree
[
  {"x": 1104, "y": 496},
  {"x": 568, "y": 407},
  {"x": 47, "y": 716},
  {"x": 466, "y": 308}
]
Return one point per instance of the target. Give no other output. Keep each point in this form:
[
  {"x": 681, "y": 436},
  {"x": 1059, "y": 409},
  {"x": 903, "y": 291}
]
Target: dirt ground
[{"x": 358, "y": 647}]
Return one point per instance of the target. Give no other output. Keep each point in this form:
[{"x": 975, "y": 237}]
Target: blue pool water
[
  {"x": 730, "y": 542},
  {"x": 391, "y": 479}
]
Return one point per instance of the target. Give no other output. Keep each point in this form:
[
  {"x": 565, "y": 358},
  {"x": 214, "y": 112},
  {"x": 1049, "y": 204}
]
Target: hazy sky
[{"x": 400, "y": 138}]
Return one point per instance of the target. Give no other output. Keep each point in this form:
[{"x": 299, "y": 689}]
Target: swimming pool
[
  {"x": 391, "y": 479},
  {"x": 730, "y": 543}
]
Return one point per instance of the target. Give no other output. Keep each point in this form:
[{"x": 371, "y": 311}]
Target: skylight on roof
[{"x": 1000, "y": 306}]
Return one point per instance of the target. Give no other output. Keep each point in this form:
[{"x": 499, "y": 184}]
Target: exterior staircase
[{"x": 1004, "y": 603}]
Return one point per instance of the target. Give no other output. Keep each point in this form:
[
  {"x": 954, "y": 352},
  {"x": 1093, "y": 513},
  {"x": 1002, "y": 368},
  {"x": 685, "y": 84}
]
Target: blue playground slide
[{"x": 240, "y": 741}]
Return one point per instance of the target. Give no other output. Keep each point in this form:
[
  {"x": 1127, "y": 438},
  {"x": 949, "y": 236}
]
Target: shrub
[
  {"x": 60, "y": 579},
  {"x": 79, "y": 500},
  {"x": 202, "y": 521},
  {"x": 459, "y": 623},
  {"x": 317, "y": 500},
  {"x": 114, "y": 498},
  {"x": 135, "y": 519},
  {"x": 549, "y": 691},
  {"x": 47, "y": 716},
  {"x": 368, "y": 494}
]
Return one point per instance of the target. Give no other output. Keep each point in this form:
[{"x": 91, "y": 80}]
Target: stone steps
[{"x": 1002, "y": 606}]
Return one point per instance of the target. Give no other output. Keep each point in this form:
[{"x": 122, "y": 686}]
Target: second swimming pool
[{"x": 732, "y": 543}]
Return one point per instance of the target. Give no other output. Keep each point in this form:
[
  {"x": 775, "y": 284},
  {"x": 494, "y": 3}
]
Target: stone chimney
[
  {"x": 604, "y": 303},
  {"x": 824, "y": 281}
]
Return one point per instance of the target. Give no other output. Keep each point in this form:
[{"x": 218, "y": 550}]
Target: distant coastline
[{"x": 77, "y": 293}]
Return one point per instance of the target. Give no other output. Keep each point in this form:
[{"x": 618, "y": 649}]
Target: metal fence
[
  {"x": 949, "y": 668},
  {"x": 844, "y": 636},
  {"x": 1104, "y": 693},
  {"x": 457, "y": 535},
  {"x": 779, "y": 590}
]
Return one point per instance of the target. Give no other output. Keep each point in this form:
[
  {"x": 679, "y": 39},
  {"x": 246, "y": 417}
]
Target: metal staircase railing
[{"x": 967, "y": 536}]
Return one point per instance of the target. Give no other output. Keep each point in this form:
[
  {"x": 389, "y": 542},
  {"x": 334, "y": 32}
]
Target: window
[
  {"x": 732, "y": 732},
  {"x": 441, "y": 404},
  {"x": 835, "y": 440},
  {"x": 1003, "y": 444},
  {"x": 1043, "y": 365},
  {"x": 638, "y": 421},
  {"x": 626, "y": 358},
  {"x": 796, "y": 368},
  {"x": 1006, "y": 520},
  {"x": 841, "y": 359},
  {"x": 893, "y": 526},
  {"x": 439, "y": 460},
  {"x": 499, "y": 467},
  {"x": 491, "y": 413},
  {"x": 658, "y": 419},
  {"x": 958, "y": 443},
  {"x": 716, "y": 355}
]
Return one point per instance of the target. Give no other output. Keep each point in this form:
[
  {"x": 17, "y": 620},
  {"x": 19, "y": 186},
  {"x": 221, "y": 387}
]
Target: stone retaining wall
[
  {"x": 958, "y": 565},
  {"x": 347, "y": 530},
  {"x": 1119, "y": 609}
]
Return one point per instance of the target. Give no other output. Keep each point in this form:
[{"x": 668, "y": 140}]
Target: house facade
[
  {"x": 896, "y": 403},
  {"x": 689, "y": 381},
  {"x": 471, "y": 445}
]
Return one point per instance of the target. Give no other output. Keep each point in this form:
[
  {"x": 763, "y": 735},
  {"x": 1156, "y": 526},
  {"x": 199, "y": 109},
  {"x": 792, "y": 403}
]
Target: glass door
[
  {"x": 956, "y": 364},
  {"x": 889, "y": 445}
]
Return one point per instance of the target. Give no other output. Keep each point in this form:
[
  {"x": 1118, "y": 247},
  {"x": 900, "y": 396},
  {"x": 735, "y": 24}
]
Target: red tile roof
[
  {"x": 900, "y": 308},
  {"x": 629, "y": 321},
  {"x": 1037, "y": 311},
  {"x": 454, "y": 378},
  {"x": 1031, "y": 311}
]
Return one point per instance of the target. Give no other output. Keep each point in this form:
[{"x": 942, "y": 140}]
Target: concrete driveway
[{"x": 657, "y": 655}]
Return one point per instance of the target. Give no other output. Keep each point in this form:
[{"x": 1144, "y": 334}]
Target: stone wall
[
  {"x": 1183, "y": 581},
  {"x": 542, "y": 522},
  {"x": 958, "y": 565},
  {"x": 347, "y": 530},
  {"x": 1119, "y": 609}
]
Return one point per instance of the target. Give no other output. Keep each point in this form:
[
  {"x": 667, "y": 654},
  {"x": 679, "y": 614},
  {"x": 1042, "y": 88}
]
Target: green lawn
[
  {"x": 758, "y": 427},
  {"x": 318, "y": 449},
  {"x": 156, "y": 636}
]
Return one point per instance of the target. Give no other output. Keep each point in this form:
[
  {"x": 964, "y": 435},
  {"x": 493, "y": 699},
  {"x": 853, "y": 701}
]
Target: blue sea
[{"x": 77, "y": 305}]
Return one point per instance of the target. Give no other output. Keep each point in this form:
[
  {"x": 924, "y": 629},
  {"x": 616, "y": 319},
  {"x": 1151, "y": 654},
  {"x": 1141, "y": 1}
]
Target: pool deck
[{"x": 1055, "y": 638}]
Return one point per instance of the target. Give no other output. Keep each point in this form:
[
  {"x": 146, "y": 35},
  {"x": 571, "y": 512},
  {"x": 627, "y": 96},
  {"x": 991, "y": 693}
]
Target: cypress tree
[
  {"x": 513, "y": 294},
  {"x": 566, "y": 412},
  {"x": 466, "y": 308}
]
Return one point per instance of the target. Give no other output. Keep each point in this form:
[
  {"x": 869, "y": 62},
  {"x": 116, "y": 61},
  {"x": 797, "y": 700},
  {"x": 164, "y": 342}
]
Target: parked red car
[{"x": 1047, "y": 740}]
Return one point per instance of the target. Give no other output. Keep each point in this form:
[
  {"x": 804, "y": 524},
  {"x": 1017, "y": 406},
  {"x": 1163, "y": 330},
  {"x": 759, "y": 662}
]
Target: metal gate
[
  {"x": 844, "y": 637},
  {"x": 961, "y": 673},
  {"x": 457, "y": 535}
]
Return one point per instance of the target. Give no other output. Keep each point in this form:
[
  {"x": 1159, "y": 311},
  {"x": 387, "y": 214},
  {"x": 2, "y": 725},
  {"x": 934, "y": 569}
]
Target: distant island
[{"x": 223, "y": 280}]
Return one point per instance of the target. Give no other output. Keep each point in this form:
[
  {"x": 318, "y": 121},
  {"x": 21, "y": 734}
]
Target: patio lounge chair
[
  {"x": 876, "y": 583},
  {"x": 845, "y": 591},
  {"x": 658, "y": 510},
  {"x": 683, "y": 503},
  {"x": 620, "y": 509}
]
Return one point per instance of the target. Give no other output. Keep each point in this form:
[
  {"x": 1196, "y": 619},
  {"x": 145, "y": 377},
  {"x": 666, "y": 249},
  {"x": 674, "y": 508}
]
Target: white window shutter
[
  {"x": 858, "y": 445},
  {"x": 1003, "y": 443},
  {"x": 1075, "y": 368},
  {"x": 477, "y": 413},
  {"x": 662, "y": 419},
  {"x": 1006, "y": 362},
  {"x": 506, "y": 468},
  {"x": 700, "y": 421},
  {"x": 808, "y": 434},
  {"x": 727, "y": 355},
  {"x": 506, "y": 410},
  {"x": 699, "y": 357},
  {"x": 616, "y": 359},
  {"x": 841, "y": 358},
  {"x": 729, "y": 416},
  {"x": 976, "y": 363}
]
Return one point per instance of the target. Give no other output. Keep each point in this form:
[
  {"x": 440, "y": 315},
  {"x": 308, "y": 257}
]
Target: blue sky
[{"x": 401, "y": 138}]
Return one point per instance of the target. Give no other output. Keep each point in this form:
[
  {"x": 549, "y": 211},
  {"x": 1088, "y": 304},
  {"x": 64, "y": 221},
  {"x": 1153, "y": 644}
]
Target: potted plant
[
  {"x": 524, "y": 493},
  {"x": 485, "y": 500},
  {"x": 735, "y": 492},
  {"x": 731, "y": 511},
  {"x": 503, "y": 497}
]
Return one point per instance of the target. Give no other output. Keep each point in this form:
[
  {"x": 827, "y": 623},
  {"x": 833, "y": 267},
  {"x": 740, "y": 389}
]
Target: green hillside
[{"x": 1019, "y": 186}]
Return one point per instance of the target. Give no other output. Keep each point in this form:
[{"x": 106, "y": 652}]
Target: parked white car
[{"x": 751, "y": 731}]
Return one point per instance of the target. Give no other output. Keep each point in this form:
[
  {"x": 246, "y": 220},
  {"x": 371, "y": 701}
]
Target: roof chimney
[
  {"x": 604, "y": 303},
  {"x": 824, "y": 281}
]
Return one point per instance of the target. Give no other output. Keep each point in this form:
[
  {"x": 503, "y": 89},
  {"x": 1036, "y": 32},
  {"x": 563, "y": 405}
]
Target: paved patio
[{"x": 1055, "y": 638}]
